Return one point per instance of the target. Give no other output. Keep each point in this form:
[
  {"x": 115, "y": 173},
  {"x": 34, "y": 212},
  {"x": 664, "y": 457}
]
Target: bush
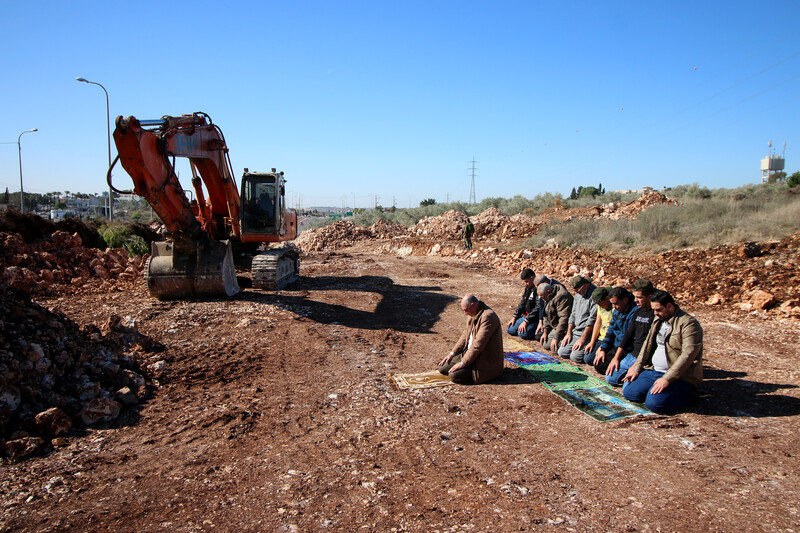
[{"x": 118, "y": 236}]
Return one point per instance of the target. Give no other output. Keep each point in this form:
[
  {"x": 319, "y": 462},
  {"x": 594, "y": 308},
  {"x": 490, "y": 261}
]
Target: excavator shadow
[{"x": 406, "y": 308}]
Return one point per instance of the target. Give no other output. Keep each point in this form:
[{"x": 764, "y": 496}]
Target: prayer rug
[
  {"x": 562, "y": 376},
  {"x": 529, "y": 358},
  {"x": 423, "y": 380},
  {"x": 601, "y": 403},
  {"x": 590, "y": 395}
]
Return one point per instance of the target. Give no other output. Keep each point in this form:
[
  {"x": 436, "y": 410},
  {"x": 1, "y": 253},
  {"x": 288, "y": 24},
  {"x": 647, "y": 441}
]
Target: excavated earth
[{"x": 274, "y": 411}]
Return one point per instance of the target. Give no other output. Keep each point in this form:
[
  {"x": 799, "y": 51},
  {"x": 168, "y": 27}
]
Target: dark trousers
[{"x": 462, "y": 376}]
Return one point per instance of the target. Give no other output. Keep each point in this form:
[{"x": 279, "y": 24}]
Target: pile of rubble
[
  {"x": 632, "y": 209},
  {"x": 613, "y": 211},
  {"x": 447, "y": 226},
  {"x": 56, "y": 374},
  {"x": 383, "y": 229},
  {"x": 60, "y": 262},
  {"x": 750, "y": 277},
  {"x": 340, "y": 234},
  {"x": 494, "y": 224},
  {"x": 33, "y": 228}
]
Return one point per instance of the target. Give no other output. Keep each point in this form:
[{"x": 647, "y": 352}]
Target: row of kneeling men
[{"x": 639, "y": 339}]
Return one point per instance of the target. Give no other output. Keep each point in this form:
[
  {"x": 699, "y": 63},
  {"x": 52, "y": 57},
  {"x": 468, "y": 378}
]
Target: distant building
[{"x": 772, "y": 164}]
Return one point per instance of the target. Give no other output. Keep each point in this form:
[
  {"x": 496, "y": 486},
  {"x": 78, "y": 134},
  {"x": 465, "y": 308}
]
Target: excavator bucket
[{"x": 178, "y": 270}]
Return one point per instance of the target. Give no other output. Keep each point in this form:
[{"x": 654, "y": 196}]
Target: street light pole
[
  {"x": 108, "y": 127},
  {"x": 19, "y": 147}
]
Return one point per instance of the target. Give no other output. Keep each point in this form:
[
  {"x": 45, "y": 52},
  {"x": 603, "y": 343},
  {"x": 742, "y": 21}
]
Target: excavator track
[{"x": 274, "y": 269}]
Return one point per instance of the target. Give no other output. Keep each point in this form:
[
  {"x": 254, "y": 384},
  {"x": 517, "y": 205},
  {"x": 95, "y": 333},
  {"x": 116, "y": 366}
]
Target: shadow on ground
[
  {"x": 406, "y": 308},
  {"x": 726, "y": 393}
]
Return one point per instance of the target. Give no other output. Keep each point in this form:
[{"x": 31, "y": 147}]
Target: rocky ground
[{"x": 275, "y": 410}]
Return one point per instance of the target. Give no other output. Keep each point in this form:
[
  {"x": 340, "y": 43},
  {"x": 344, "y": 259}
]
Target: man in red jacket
[{"x": 477, "y": 357}]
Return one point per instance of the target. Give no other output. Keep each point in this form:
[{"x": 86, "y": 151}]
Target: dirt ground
[{"x": 275, "y": 412}]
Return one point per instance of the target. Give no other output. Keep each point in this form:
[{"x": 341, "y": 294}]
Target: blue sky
[{"x": 354, "y": 100}]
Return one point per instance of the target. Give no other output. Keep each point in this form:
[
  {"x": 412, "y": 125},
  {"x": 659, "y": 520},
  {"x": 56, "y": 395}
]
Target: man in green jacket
[
  {"x": 477, "y": 357},
  {"x": 469, "y": 229},
  {"x": 556, "y": 314},
  {"x": 670, "y": 363}
]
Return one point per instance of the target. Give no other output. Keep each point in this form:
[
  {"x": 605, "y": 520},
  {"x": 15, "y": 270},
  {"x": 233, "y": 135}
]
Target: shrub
[{"x": 118, "y": 236}]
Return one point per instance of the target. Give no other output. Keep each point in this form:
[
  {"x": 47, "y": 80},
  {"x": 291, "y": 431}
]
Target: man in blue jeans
[
  {"x": 624, "y": 308},
  {"x": 670, "y": 363},
  {"x": 526, "y": 317},
  {"x": 634, "y": 336}
]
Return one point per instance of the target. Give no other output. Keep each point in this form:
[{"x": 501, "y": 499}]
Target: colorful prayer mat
[
  {"x": 562, "y": 376},
  {"x": 601, "y": 403},
  {"x": 590, "y": 395},
  {"x": 423, "y": 380},
  {"x": 529, "y": 358}
]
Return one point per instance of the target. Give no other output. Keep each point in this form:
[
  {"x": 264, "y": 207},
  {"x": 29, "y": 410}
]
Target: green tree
[
  {"x": 427, "y": 202},
  {"x": 6, "y": 197},
  {"x": 588, "y": 191},
  {"x": 573, "y": 195},
  {"x": 794, "y": 180}
]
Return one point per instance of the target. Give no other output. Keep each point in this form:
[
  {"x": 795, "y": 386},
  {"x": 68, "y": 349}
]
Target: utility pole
[
  {"x": 447, "y": 198},
  {"x": 472, "y": 187},
  {"x": 375, "y": 205}
]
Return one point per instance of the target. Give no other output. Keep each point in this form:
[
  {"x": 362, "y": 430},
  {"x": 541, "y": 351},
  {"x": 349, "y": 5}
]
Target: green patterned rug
[
  {"x": 560, "y": 376},
  {"x": 589, "y": 394}
]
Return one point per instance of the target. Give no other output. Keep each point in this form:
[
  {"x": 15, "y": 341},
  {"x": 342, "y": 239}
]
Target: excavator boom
[{"x": 197, "y": 259}]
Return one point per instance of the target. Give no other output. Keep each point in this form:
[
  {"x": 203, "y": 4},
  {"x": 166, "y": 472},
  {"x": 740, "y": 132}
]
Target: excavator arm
[
  {"x": 196, "y": 260},
  {"x": 147, "y": 150}
]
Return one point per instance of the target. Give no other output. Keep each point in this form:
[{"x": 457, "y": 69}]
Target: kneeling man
[
  {"x": 670, "y": 363},
  {"x": 477, "y": 357}
]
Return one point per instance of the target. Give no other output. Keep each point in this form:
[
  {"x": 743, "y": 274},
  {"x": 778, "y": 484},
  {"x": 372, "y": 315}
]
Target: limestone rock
[
  {"x": 23, "y": 447},
  {"x": 100, "y": 410},
  {"x": 762, "y": 300},
  {"x": 53, "y": 422}
]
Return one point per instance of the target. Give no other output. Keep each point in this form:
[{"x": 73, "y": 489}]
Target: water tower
[{"x": 772, "y": 163}]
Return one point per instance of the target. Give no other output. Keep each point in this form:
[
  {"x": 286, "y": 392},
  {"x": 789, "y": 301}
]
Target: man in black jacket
[{"x": 526, "y": 317}]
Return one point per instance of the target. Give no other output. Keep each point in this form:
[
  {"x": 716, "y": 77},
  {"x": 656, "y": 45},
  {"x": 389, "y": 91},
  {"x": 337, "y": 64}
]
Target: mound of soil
[
  {"x": 56, "y": 374},
  {"x": 33, "y": 228},
  {"x": 447, "y": 226}
]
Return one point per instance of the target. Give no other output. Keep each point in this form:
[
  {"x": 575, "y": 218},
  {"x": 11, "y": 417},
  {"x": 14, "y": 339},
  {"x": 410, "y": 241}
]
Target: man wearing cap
[
  {"x": 581, "y": 320},
  {"x": 670, "y": 364},
  {"x": 477, "y": 357},
  {"x": 624, "y": 308},
  {"x": 557, "y": 311},
  {"x": 634, "y": 336},
  {"x": 526, "y": 317},
  {"x": 600, "y": 329}
]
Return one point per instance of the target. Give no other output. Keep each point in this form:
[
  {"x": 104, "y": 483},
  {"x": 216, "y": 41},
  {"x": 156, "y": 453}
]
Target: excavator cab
[{"x": 262, "y": 202}]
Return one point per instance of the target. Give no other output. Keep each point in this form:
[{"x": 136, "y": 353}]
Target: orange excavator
[{"x": 221, "y": 228}]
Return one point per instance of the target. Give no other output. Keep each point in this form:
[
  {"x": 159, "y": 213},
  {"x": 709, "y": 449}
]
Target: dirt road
[{"x": 275, "y": 413}]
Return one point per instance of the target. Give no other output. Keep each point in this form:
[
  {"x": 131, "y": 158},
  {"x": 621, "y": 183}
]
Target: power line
[
  {"x": 784, "y": 60},
  {"x": 472, "y": 186}
]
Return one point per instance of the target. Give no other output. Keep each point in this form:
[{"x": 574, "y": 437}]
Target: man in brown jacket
[
  {"x": 670, "y": 362},
  {"x": 556, "y": 313},
  {"x": 477, "y": 357}
]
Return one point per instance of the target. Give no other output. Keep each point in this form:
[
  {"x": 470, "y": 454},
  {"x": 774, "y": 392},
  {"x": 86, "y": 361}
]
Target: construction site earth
[{"x": 275, "y": 411}]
